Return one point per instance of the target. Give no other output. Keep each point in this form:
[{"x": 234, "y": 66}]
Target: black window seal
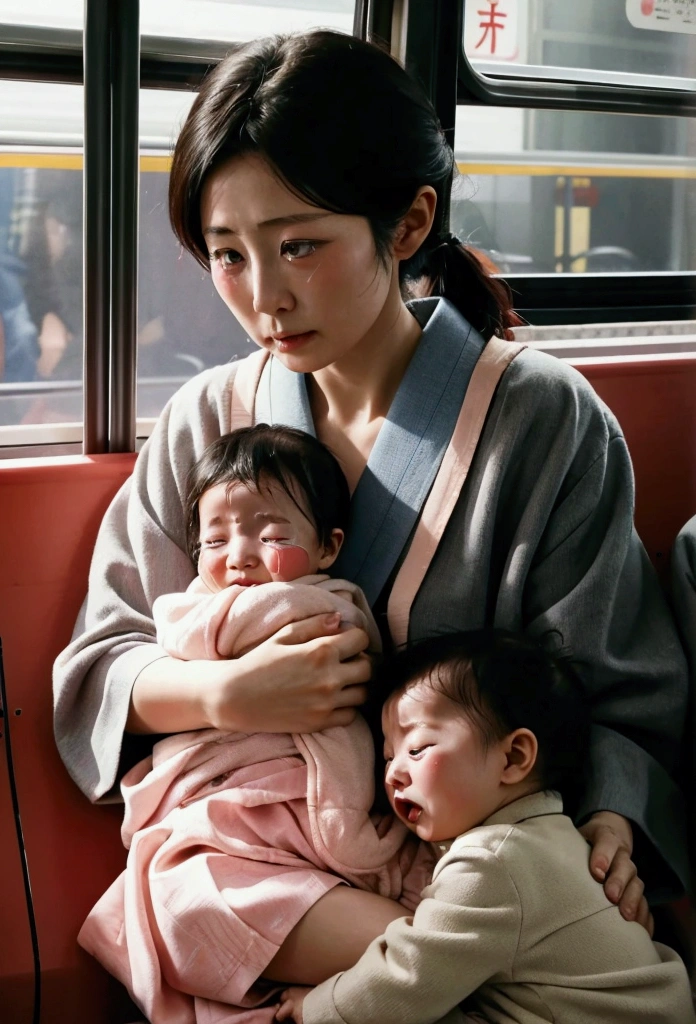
[
  {"x": 40, "y": 54},
  {"x": 547, "y": 299}
]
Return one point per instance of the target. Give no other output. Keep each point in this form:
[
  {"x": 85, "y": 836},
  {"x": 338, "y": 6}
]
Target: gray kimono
[{"x": 541, "y": 538}]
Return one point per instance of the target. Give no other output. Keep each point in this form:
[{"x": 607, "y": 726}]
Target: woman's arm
[
  {"x": 306, "y": 677},
  {"x": 592, "y": 582},
  {"x": 114, "y": 677}
]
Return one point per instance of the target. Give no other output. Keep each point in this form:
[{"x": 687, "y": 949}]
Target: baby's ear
[
  {"x": 521, "y": 750},
  {"x": 331, "y": 549}
]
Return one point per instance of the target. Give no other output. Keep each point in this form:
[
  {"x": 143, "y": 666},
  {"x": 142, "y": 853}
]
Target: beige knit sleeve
[{"x": 463, "y": 932}]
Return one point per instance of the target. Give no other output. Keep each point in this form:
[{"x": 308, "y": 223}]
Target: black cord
[{"x": 5, "y": 714}]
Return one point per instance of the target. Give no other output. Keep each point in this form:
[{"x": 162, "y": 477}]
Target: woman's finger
[
  {"x": 349, "y": 644},
  {"x": 351, "y": 696},
  {"x": 304, "y": 630},
  {"x": 356, "y": 670},
  {"x": 621, "y": 872},
  {"x": 284, "y": 1011},
  {"x": 605, "y": 845},
  {"x": 344, "y": 644},
  {"x": 631, "y": 899},
  {"x": 644, "y": 917}
]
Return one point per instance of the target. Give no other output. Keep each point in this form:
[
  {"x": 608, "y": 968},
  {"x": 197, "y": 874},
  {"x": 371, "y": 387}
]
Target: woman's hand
[
  {"x": 291, "y": 1002},
  {"x": 611, "y": 837},
  {"x": 308, "y": 676}
]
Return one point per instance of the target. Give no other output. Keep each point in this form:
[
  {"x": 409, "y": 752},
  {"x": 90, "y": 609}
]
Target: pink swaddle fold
[
  {"x": 201, "y": 624},
  {"x": 232, "y": 837}
]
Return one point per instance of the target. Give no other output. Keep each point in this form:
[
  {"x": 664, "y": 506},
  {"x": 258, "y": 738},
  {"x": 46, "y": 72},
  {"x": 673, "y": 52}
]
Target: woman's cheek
[{"x": 227, "y": 287}]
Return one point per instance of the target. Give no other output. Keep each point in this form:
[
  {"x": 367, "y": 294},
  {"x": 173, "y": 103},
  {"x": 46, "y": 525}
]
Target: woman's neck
[
  {"x": 359, "y": 388},
  {"x": 351, "y": 398}
]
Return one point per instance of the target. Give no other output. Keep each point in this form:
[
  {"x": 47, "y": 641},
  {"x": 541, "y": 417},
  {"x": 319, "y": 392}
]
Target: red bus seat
[
  {"x": 654, "y": 400},
  {"x": 50, "y": 510}
]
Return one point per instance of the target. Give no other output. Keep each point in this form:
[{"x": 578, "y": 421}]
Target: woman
[{"x": 313, "y": 179}]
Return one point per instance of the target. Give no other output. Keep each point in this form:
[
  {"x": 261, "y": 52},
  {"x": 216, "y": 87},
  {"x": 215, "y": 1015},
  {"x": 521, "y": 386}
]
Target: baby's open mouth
[{"x": 407, "y": 809}]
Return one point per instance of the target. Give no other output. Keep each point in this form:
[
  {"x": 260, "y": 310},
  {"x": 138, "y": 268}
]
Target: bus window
[
  {"x": 235, "y": 20},
  {"x": 547, "y": 191},
  {"x": 40, "y": 260},
  {"x": 183, "y": 325},
  {"x": 61, "y": 14},
  {"x": 626, "y": 42}
]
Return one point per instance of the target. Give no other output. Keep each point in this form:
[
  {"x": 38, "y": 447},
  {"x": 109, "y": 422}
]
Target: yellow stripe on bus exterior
[
  {"x": 73, "y": 162},
  {"x": 579, "y": 170}
]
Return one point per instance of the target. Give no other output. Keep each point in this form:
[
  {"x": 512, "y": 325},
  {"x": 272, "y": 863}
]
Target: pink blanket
[{"x": 232, "y": 837}]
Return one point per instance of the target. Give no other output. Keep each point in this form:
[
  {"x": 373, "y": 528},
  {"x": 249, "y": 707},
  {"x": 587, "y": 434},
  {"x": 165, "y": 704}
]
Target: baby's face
[
  {"x": 440, "y": 778},
  {"x": 250, "y": 537}
]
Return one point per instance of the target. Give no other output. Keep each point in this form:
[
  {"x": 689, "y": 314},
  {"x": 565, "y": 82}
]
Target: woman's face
[{"x": 305, "y": 283}]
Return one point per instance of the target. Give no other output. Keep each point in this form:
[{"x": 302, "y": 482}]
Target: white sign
[
  {"x": 663, "y": 15},
  {"x": 492, "y": 30}
]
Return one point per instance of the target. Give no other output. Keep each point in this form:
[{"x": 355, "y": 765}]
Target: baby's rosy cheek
[{"x": 287, "y": 561}]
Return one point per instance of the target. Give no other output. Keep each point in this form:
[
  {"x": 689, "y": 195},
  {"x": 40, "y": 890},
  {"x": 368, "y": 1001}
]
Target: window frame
[
  {"x": 566, "y": 88},
  {"x": 427, "y": 36}
]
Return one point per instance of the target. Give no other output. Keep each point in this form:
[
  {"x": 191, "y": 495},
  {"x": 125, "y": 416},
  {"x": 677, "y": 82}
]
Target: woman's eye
[
  {"x": 273, "y": 540},
  {"x": 416, "y": 751},
  {"x": 214, "y": 543},
  {"x": 297, "y": 249},
  {"x": 226, "y": 257}
]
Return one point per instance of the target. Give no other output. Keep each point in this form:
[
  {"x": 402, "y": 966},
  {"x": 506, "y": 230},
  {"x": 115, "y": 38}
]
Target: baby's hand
[{"x": 291, "y": 1001}]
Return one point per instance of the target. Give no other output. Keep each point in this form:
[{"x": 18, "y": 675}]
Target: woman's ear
[
  {"x": 331, "y": 549},
  {"x": 416, "y": 223},
  {"x": 521, "y": 750}
]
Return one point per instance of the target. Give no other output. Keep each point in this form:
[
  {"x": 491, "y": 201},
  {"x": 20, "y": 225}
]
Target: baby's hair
[
  {"x": 255, "y": 456},
  {"x": 504, "y": 681}
]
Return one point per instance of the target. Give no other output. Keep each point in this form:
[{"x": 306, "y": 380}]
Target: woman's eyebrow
[
  {"x": 271, "y": 517},
  {"x": 291, "y": 218}
]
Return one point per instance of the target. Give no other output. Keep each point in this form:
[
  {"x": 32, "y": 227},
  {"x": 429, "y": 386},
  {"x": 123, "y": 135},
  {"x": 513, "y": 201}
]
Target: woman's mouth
[
  {"x": 407, "y": 810},
  {"x": 290, "y": 342}
]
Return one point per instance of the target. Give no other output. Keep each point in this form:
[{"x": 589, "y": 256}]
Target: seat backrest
[
  {"x": 50, "y": 511},
  {"x": 654, "y": 401}
]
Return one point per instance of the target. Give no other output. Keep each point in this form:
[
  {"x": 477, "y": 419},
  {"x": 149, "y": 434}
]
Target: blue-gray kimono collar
[{"x": 409, "y": 448}]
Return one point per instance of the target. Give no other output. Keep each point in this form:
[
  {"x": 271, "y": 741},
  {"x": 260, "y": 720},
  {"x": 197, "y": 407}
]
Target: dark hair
[
  {"x": 505, "y": 681},
  {"x": 346, "y": 129},
  {"x": 290, "y": 458}
]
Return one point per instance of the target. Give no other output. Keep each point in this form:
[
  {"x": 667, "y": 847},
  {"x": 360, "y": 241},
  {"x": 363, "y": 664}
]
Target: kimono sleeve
[
  {"x": 684, "y": 588},
  {"x": 591, "y": 580},
  {"x": 140, "y": 554},
  {"x": 684, "y": 601},
  {"x": 465, "y": 930}
]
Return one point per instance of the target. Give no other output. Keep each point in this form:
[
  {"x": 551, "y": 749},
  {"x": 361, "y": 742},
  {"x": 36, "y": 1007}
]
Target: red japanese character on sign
[{"x": 495, "y": 23}]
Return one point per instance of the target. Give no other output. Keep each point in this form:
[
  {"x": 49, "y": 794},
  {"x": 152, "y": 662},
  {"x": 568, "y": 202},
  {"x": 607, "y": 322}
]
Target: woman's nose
[{"x": 270, "y": 292}]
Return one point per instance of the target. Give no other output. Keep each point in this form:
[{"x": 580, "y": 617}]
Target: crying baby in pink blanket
[{"x": 241, "y": 845}]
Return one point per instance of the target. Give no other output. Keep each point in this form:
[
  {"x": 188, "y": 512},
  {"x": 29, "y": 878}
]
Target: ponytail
[{"x": 460, "y": 274}]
